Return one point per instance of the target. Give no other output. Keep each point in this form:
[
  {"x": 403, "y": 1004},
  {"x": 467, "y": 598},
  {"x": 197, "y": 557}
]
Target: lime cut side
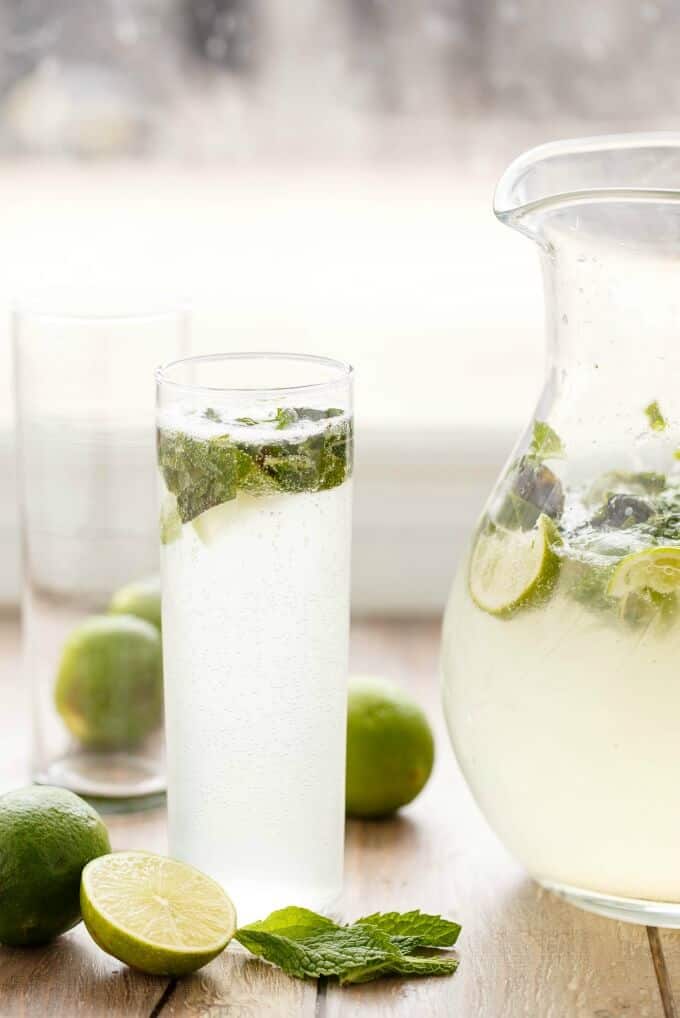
[
  {"x": 510, "y": 569},
  {"x": 155, "y": 914},
  {"x": 655, "y": 569}
]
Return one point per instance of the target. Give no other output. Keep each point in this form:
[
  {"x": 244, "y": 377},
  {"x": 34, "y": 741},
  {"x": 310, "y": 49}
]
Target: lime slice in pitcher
[
  {"x": 155, "y": 914},
  {"x": 656, "y": 569},
  {"x": 513, "y": 568}
]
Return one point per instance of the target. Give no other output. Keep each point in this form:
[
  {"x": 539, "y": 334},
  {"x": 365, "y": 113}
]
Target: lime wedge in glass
[
  {"x": 513, "y": 568},
  {"x": 213, "y": 523},
  {"x": 655, "y": 569},
  {"x": 170, "y": 522},
  {"x": 155, "y": 914}
]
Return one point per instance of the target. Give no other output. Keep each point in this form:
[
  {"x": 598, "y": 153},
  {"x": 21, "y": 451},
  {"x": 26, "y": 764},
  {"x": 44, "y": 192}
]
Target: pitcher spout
[{"x": 573, "y": 174}]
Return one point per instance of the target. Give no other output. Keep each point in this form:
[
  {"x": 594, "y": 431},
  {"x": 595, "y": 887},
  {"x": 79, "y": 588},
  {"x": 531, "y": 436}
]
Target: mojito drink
[
  {"x": 561, "y": 650},
  {"x": 255, "y": 536}
]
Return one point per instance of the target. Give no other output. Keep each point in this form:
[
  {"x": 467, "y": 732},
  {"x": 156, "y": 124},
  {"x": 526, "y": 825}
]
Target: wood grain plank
[
  {"x": 72, "y": 978},
  {"x": 236, "y": 985},
  {"x": 663, "y": 975},
  {"x": 522, "y": 951},
  {"x": 669, "y": 945}
]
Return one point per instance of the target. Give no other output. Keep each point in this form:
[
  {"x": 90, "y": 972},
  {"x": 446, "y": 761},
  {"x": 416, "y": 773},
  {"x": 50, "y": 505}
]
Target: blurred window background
[{"x": 318, "y": 175}]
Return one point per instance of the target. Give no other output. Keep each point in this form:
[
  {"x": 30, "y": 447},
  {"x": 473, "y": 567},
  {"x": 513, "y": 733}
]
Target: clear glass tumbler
[
  {"x": 91, "y": 595},
  {"x": 255, "y": 464}
]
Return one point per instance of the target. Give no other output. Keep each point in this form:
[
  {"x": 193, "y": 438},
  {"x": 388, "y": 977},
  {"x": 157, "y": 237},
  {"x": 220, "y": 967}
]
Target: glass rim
[{"x": 344, "y": 371}]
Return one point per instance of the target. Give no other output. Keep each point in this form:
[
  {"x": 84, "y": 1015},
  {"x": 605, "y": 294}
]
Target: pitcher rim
[{"x": 506, "y": 206}]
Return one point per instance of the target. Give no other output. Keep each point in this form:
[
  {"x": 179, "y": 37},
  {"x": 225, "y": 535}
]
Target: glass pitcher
[{"x": 561, "y": 652}]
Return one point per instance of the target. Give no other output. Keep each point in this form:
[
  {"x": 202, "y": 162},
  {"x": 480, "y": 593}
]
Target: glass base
[
  {"x": 112, "y": 782},
  {"x": 628, "y": 910}
]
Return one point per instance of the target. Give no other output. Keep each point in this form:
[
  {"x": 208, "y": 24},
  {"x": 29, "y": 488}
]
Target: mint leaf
[
  {"x": 414, "y": 929},
  {"x": 200, "y": 474},
  {"x": 307, "y": 945},
  {"x": 285, "y": 416},
  {"x": 406, "y": 965},
  {"x": 545, "y": 443},
  {"x": 657, "y": 421},
  {"x": 312, "y": 414}
]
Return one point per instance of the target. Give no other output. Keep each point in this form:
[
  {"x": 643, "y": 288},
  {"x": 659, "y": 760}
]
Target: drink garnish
[
  {"x": 205, "y": 472},
  {"x": 306, "y": 945},
  {"x": 657, "y": 421},
  {"x": 545, "y": 443},
  {"x": 510, "y": 569}
]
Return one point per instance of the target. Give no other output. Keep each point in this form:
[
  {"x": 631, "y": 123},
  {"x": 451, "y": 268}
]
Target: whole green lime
[
  {"x": 47, "y": 836},
  {"x": 141, "y": 598},
  {"x": 109, "y": 688},
  {"x": 390, "y": 748}
]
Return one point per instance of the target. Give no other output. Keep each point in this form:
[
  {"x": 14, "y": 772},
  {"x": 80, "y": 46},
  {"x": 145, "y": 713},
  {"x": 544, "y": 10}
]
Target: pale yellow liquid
[{"x": 566, "y": 724}]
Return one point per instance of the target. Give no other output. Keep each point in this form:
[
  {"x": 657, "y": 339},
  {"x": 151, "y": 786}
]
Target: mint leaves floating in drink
[
  {"x": 307, "y": 945},
  {"x": 657, "y": 421},
  {"x": 545, "y": 443},
  {"x": 596, "y": 527},
  {"x": 534, "y": 489},
  {"x": 203, "y": 472}
]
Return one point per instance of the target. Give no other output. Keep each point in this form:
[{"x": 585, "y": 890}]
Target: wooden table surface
[{"x": 523, "y": 953}]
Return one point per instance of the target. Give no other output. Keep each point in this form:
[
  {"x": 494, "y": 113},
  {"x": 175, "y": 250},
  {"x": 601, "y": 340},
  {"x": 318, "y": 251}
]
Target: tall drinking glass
[
  {"x": 255, "y": 464},
  {"x": 85, "y": 423}
]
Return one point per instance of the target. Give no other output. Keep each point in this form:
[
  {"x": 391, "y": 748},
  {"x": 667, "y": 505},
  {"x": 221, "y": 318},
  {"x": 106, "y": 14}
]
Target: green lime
[
  {"x": 513, "y": 568},
  {"x": 47, "y": 835},
  {"x": 141, "y": 598},
  {"x": 654, "y": 569},
  {"x": 155, "y": 914},
  {"x": 390, "y": 748},
  {"x": 109, "y": 688}
]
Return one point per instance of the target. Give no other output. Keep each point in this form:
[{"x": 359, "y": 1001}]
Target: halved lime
[
  {"x": 513, "y": 568},
  {"x": 155, "y": 914},
  {"x": 655, "y": 569}
]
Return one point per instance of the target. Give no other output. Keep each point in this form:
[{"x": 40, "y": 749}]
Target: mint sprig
[{"x": 306, "y": 945}]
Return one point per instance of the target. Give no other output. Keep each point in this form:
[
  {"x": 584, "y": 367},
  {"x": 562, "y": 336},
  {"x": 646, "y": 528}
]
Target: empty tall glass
[{"x": 85, "y": 420}]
